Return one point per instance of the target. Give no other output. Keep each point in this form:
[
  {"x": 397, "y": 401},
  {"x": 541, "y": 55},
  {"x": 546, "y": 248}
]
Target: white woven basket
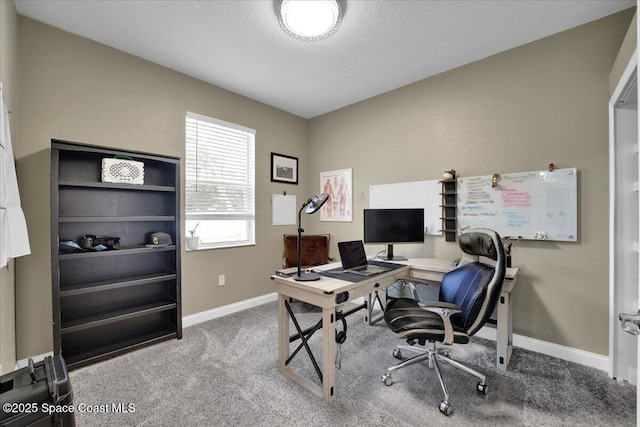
[{"x": 122, "y": 171}]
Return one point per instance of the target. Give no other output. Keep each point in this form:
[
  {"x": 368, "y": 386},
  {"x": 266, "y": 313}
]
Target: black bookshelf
[
  {"x": 109, "y": 302},
  {"x": 449, "y": 196}
]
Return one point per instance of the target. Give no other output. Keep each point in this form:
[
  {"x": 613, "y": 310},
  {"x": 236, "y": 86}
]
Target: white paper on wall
[{"x": 283, "y": 209}]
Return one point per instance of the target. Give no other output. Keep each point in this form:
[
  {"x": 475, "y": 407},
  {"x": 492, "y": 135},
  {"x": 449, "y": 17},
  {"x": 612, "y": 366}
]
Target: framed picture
[
  {"x": 284, "y": 168},
  {"x": 339, "y": 205}
]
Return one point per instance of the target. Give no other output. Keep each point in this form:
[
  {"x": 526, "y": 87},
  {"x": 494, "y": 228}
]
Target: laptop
[{"x": 354, "y": 259}]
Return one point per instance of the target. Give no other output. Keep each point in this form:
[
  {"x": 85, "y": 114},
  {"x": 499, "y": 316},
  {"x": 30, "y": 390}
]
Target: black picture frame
[{"x": 284, "y": 168}]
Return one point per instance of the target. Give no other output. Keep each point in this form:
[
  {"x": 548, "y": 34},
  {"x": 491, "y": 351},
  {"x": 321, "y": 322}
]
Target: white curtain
[{"x": 14, "y": 239}]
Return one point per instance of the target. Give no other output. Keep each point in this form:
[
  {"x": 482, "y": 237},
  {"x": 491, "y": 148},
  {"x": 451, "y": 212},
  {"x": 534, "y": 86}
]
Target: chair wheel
[
  {"x": 397, "y": 353},
  {"x": 445, "y": 408},
  {"x": 387, "y": 380},
  {"x": 482, "y": 388}
]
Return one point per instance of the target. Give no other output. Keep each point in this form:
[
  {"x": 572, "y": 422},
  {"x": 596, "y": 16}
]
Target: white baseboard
[
  {"x": 190, "y": 320},
  {"x": 203, "y": 316},
  {"x": 569, "y": 354},
  {"x": 25, "y": 362},
  {"x": 633, "y": 376}
]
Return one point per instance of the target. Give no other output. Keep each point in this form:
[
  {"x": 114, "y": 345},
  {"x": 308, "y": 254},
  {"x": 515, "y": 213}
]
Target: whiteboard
[
  {"x": 538, "y": 205},
  {"x": 416, "y": 194}
]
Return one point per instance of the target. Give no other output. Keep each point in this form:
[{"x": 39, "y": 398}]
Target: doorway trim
[{"x": 628, "y": 76}]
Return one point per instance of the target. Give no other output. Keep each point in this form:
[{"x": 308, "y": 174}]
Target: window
[{"x": 220, "y": 182}]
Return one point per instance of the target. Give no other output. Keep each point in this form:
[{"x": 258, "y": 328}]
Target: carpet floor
[{"x": 225, "y": 373}]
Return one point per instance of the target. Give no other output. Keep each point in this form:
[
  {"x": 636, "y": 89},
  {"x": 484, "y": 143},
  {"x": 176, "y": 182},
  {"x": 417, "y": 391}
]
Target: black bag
[{"x": 37, "y": 395}]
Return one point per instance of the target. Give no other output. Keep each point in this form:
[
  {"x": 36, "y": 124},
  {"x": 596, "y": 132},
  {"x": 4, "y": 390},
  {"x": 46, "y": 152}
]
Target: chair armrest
[
  {"x": 445, "y": 311},
  {"x": 439, "y": 304},
  {"x": 411, "y": 282}
]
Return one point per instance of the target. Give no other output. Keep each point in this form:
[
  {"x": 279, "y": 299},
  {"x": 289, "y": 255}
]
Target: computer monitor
[{"x": 390, "y": 226}]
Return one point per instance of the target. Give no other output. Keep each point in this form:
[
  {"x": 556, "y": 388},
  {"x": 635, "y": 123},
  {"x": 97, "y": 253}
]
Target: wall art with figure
[{"x": 339, "y": 206}]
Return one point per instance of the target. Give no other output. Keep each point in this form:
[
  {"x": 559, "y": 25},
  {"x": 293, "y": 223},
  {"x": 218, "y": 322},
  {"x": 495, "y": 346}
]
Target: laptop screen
[{"x": 352, "y": 254}]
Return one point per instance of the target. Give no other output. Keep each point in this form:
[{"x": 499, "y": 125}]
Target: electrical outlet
[{"x": 221, "y": 280}]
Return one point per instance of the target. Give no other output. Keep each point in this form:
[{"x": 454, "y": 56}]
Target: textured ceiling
[{"x": 380, "y": 46}]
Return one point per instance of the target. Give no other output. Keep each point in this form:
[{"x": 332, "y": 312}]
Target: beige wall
[
  {"x": 9, "y": 79},
  {"x": 516, "y": 111},
  {"x": 75, "y": 89},
  {"x": 545, "y": 102},
  {"x": 624, "y": 54}
]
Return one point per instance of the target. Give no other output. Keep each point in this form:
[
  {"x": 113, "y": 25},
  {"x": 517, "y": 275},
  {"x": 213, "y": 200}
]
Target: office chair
[
  {"x": 315, "y": 250},
  {"x": 467, "y": 298}
]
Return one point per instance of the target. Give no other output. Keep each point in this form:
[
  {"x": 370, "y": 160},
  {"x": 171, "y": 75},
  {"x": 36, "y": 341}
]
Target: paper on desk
[{"x": 283, "y": 209}]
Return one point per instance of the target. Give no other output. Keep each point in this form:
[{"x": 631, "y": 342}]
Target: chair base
[{"x": 432, "y": 354}]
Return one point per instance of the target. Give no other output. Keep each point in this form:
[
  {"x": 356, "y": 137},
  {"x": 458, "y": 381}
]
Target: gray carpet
[{"x": 225, "y": 373}]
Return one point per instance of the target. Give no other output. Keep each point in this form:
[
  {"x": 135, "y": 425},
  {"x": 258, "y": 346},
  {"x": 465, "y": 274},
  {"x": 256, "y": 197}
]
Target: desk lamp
[{"x": 312, "y": 206}]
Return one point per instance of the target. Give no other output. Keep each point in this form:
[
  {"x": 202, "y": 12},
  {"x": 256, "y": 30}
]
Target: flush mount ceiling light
[{"x": 309, "y": 20}]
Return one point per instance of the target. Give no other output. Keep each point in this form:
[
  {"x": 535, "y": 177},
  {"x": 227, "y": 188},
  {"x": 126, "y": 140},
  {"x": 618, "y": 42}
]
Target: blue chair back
[{"x": 475, "y": 286}]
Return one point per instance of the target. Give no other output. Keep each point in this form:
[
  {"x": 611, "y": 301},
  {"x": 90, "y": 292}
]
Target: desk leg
[
  {"x": 504, "y": 330},
  {"x": 283, "y": 332},
  {"x": 371, "y": 302},
  {"x": 328, "y": 354},
  {"x": 327, "y": 391}
]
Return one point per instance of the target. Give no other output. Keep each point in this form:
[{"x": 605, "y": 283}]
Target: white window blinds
[{"x": 220, "y": 170}]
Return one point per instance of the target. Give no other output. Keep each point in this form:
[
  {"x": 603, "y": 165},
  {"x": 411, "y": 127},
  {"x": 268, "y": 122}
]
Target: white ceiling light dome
[{"x": 309, "y": 20}]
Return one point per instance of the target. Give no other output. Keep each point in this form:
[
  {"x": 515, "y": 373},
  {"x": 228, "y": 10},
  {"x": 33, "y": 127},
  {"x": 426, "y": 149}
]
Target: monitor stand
[{"x": 390, "y": 256}]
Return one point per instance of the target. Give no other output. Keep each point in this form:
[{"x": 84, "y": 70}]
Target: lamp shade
[{"x": 316, "y": 203}]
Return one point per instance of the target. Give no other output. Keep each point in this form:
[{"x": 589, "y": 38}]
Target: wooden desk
[{"x": 329, "y": 293}]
